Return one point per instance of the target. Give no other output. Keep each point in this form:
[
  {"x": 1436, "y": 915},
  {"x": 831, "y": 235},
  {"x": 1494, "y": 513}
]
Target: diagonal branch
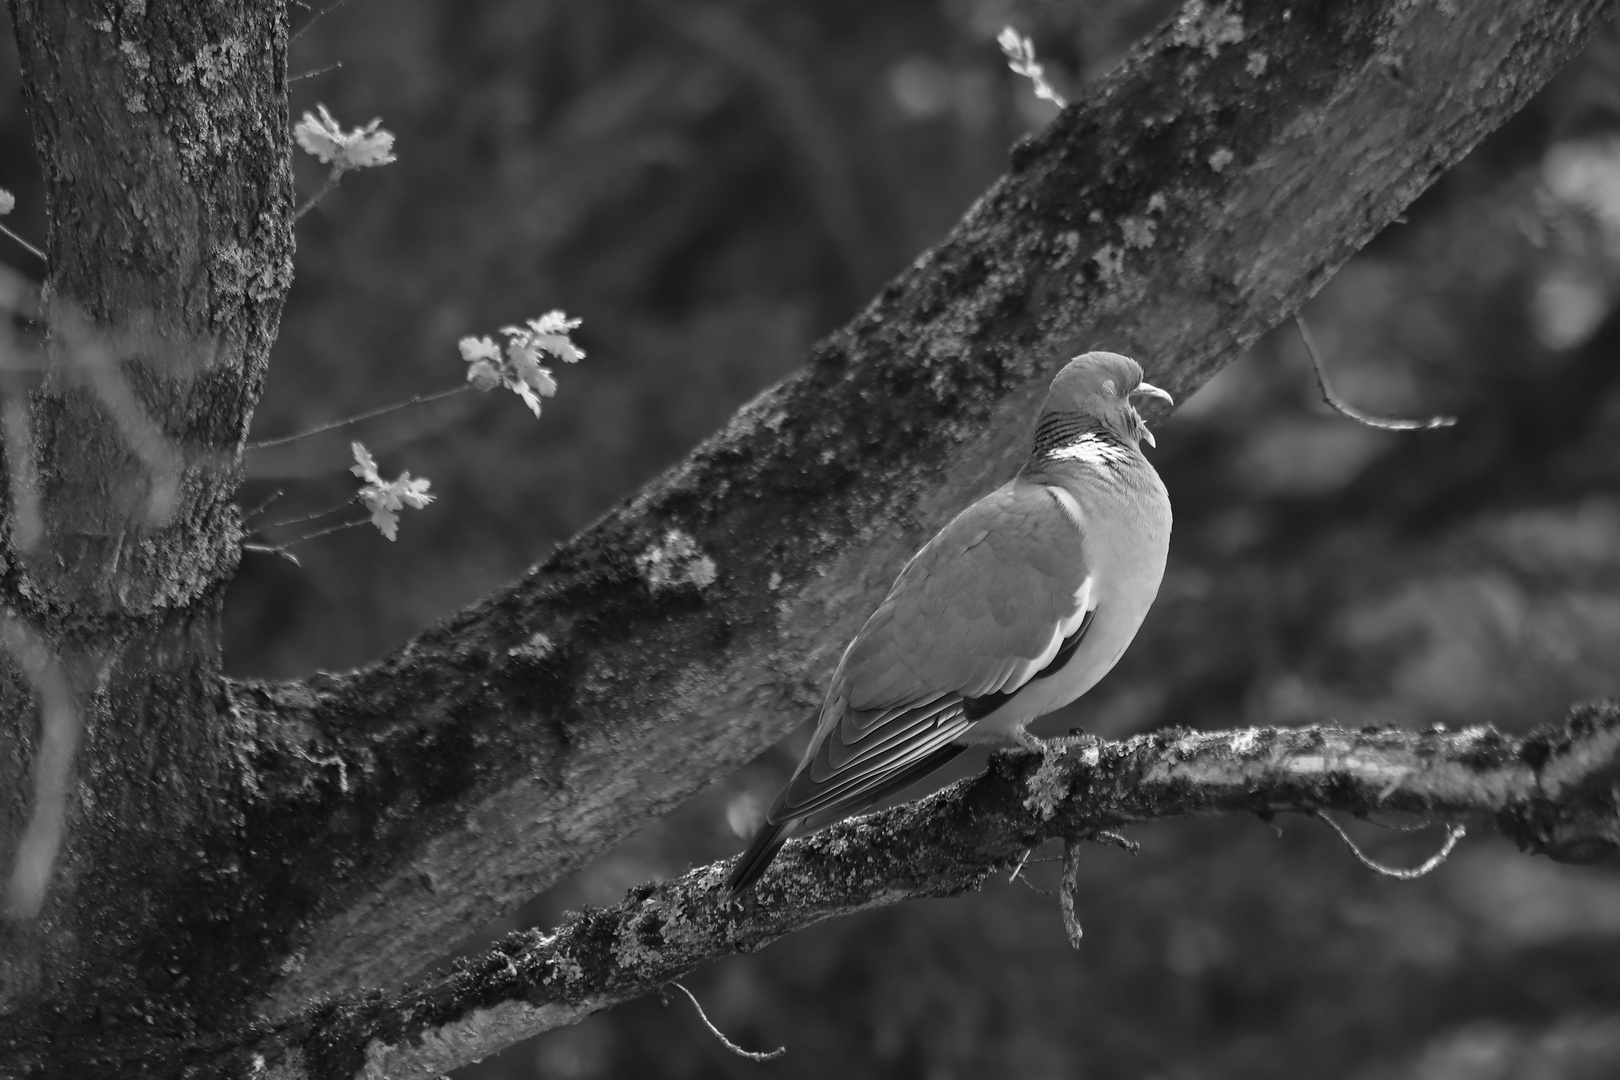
[
  {"x": 1556, "y": 792},
  {"x": 1203, "y": 190}
]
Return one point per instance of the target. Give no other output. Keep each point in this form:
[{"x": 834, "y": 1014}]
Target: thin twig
[
  {"x": 1391, "y": 826},
  {"x": 1340, "y": 406},
  {"x": 751, "y": 1055},
  {"x": 1034, "y": 888},
  {"x": 315, "y": 18},
  {"x": 317, "y": 515},
  {"x": 262, "y": 507},
  {"x": 419, "y": 399},
  {"x": 1114, "y": 838},
  {"x": 316, "y": 71},
  {"x": 1066, "y": 891},
  {"x": 268, "y": 549},
  {"x": 282, "y": 548},
  {"x": 328, "y": 531},
  {"x": 1454, "y": 833},
  {"x": 29, "y": 247},
  {"x": 331, "y": 182},
  {"x": 1019, "y": 869}
]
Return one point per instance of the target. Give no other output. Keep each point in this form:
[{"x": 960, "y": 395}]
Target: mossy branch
[{"x": 1555, "y": 793}]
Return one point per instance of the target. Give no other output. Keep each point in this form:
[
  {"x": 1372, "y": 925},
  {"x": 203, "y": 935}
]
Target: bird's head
[{"x": 1099, "y": 386}]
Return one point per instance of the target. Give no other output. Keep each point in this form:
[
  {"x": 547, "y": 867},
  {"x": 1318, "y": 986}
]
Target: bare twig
[
  {"x": 1104, "y": 836},
  {"x": 327, "y": 531},
  {"x": 333, "y": 66},
  {"x": 282, "y": 549},
  {"x": 316, "y": 516},
  {"x": 315, "y": 18},
  {"x": 751, "y": 1055},
  {"x": 1454, "y": 833},
  {"x": 326, "y": 187},
  {"x": 419, "y": 399},
  {"x": 269, "y": 549},
  {"x": 1034, "y": 888},
  {"x": 1340, "y": 406},
  {"x": 1066, "y": 891},
  {"x": 30, "y": 248},
  {"x": 263, "y": 506}
]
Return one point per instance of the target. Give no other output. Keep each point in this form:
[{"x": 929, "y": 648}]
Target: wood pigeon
[{"x": 1016, "y": 608}]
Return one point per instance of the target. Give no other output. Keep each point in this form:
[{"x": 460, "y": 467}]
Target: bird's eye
[{"x": 1108, "y": 387}]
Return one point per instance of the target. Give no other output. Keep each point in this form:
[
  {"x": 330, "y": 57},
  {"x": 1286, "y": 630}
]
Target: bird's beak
[{"x": 1153, "y": 391}]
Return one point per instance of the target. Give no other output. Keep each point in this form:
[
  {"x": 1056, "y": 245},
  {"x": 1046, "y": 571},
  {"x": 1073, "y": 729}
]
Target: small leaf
[
  {"x": 474, "y": 349},
  {"x": 386, "y": 520},
  {"x": 365, "y": 467},
  {"x": 361, "y": 148},
  {"x": 386, "y": 498}
]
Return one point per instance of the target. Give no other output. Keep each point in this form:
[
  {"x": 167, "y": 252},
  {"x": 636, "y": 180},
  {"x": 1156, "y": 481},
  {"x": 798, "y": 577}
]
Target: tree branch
[
  {"x": 1556, "y": 793},
  {"x": 1203, "y": 190}
]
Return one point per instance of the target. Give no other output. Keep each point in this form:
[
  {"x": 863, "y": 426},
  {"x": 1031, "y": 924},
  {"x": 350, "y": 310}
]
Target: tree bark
[
  {"x": 235, "y": 849},
  {"x": 1555, "y": 793},
  {"x": 163, "y": 133}
]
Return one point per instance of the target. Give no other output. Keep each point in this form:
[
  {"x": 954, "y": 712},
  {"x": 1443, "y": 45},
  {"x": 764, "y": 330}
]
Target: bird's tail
[{"x": 761, "y": 850}]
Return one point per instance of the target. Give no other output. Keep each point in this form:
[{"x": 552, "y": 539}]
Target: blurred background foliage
[{"x": 712, "y": 186}]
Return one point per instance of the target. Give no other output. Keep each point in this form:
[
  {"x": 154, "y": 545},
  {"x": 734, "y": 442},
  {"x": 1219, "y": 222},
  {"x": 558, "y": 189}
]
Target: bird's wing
[{"x": 983, "y": 608}]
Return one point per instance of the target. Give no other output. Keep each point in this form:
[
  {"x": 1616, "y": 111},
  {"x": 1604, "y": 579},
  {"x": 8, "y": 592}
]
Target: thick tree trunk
[
  {"x": 236, "y": 849},
  {"x": 164, "y": 137}
]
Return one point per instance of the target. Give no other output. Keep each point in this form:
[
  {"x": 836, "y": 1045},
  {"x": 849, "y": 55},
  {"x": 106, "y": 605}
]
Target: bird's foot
[
  {"x": 1076, "y": 737},
  {"x": 1027, "y": 741}
]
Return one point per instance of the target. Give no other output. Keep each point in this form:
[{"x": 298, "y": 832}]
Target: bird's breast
[{"x": 1126, "y": 541}]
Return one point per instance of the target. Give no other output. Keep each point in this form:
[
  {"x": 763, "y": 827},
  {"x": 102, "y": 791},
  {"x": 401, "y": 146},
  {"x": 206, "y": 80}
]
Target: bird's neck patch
[{"x": 1082, "y": 439}]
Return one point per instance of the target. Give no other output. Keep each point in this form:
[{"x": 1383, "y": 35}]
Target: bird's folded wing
[{"x": 980, "y": 610}]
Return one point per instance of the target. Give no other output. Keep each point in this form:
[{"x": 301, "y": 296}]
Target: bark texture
[
  {"x": 1556, "y": 793},
  {"x": 236, "y": 849},
  {"x": 163, "y": 133}
]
